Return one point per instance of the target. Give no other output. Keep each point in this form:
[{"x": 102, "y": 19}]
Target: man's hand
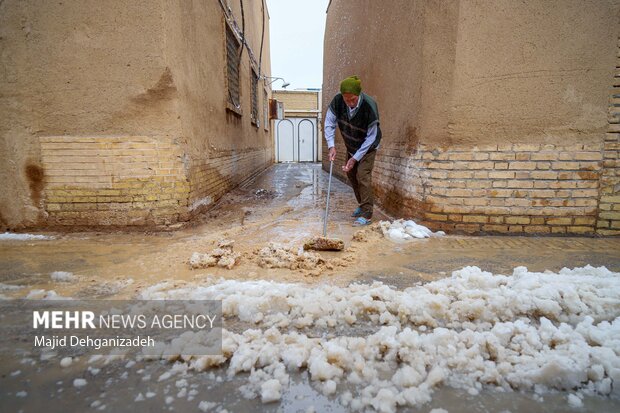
[
  {"x": 332, "y": 153},
  {"x": 349, "y": 165}
]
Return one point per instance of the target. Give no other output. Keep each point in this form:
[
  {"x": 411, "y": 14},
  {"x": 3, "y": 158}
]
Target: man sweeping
[{"x": 357, "y": 116}]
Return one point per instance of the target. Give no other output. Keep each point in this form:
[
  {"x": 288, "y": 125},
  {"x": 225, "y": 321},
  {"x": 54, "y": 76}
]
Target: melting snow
[
  {"x": 525, "y": 331},
  {"x": 63, "y": 276},
  {"x": 8, "y": 236},
  {"x": 406, "y": 230},
  {"x": 38, "y": 294}
]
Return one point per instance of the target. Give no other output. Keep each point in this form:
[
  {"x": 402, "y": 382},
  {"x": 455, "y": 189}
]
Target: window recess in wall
[
  {"x": 232, "y": 71},
  {"x": 254, "y": 89}
]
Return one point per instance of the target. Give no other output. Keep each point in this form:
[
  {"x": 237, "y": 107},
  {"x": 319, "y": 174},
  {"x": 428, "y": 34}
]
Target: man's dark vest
[{"x": 354, "y": 129}]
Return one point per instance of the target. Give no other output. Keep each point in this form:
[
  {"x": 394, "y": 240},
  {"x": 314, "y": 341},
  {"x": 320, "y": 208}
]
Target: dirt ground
[{"x": 267, "y": 220}]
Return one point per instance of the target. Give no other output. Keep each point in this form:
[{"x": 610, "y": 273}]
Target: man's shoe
[
  {"x": 357, "y": 213},
  {"x": 361, "y": 221}
]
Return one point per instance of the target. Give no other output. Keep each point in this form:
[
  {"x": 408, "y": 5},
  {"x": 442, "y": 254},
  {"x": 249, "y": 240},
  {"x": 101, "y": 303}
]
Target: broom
[{"x": 323, "y": 243}]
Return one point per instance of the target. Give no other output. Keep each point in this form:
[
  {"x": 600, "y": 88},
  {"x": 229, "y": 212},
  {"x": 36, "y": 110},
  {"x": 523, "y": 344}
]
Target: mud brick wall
[
  {"x": 122, "y": 180},
  {"x": 212, "y": 177},
  {"x": 520, "y": 188},
  {"x": 609, "y": 208},
  {"x": 509, "y": 188}
]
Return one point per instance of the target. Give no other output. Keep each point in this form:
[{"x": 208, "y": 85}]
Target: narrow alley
[{"x": 284, "y": 205}]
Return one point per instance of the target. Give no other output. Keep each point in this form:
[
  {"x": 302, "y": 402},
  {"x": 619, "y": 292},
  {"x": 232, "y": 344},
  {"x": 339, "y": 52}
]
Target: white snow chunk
[
  {"x": 66, "y": 362},
  {"x": 271, "y": 391},
  {"x": 164, "y": 376},
  {"x": 139, "y": 398},
  {"x": 79, "y": 383},
  {"x": 405, "y": 230},
  {"x": 574, "y": 401},
  {"x": 329, "y": 387},
  {"x": 9, "y": 236},
  {"x": 205, "y": 406},
  {"x": 63, "y": 276},
  {"x": 22, "y": 393}
]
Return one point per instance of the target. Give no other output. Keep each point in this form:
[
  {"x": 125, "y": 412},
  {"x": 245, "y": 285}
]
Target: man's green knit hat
[{"x": 352, "y": 84}]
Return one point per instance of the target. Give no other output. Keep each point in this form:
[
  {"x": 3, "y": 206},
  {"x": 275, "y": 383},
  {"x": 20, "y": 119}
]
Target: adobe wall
[
  {"x": 221, "y": 148},
  {"x": 494, "y": 114},
  {"x": 116, "y": 107}
]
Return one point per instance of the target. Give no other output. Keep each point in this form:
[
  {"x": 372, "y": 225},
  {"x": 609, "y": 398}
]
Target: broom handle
[{"x": 329, "y": 187}]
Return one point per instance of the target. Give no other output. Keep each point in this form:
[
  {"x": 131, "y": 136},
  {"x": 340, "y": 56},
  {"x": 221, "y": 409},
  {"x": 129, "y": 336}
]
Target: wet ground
[{"x": 285, "y": 204}]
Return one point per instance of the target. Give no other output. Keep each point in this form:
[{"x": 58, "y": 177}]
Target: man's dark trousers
[{"x": 360, "y": 177}]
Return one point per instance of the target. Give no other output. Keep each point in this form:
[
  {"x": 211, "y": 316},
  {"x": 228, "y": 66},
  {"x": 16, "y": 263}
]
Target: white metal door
[
  {"x": 285, "y": 141},
  {"x": 296, "y": 140},
  {"x": 306, "y": 132}
]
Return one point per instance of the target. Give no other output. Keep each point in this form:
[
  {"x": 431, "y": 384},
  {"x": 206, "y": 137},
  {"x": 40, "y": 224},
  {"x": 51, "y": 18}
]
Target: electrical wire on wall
[
  {"x": 242, "y": 33},
  {"x": 262, "y": 38},
  {"x": 239, "y": 32}
]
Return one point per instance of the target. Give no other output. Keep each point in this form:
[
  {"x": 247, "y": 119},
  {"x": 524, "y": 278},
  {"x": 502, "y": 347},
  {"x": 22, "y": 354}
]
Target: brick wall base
[
  {"x": 113, "y": 181},
  {"x": 608, "y": 221},
  {"x": 214, "y": 176},
  {"x": 527, "y": 188},
  {"x": 136, "y": 180}
]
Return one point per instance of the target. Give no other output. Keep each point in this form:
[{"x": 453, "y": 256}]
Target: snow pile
[
  {"x": 8, "y": 236},
  {"x": 223, "y": 256},
  {"x": 63, "y": 276},
  {"x": 525, "y": 331},
  {"x": 406, "y": 230},
  {"x": 275, "y": 255}
]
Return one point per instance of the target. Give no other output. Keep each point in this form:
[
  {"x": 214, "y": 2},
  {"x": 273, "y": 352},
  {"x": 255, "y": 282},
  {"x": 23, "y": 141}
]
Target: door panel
[
  {"x": 285, "y": 141},
  {"x": 305, "y": 140}
]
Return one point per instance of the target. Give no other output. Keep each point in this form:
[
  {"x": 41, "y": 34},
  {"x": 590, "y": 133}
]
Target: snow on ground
[
  {"x": 8, "y": 236},
  {"x": 406, "y": 230},
  {"x": 63, "y": 276},
  {"x": 10, "y": 287},
  {"x": 526, "y": 331},
  {"x": 40, "y": 294}
]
